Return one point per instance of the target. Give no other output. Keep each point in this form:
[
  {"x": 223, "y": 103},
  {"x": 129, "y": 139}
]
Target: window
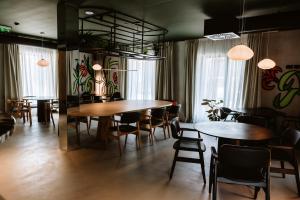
[
  {"x": 217, "y": 77},
  {"x": 141, "y": 83},
  {"x": 38, "y": 81}
]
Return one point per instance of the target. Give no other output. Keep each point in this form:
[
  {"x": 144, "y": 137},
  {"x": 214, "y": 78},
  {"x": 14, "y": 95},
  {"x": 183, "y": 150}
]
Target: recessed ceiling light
[{"x": 88, "y": 12}]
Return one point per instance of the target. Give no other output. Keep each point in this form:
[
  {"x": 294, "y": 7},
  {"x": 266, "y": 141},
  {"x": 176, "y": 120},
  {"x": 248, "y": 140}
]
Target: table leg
[
  {"x": 41, "y": 109},
  {"x": 103, "y": 129}
]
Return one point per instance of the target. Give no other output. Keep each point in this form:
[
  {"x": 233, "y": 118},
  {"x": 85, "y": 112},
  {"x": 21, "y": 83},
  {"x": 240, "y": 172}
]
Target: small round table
[{"x": 234, "y": 131}]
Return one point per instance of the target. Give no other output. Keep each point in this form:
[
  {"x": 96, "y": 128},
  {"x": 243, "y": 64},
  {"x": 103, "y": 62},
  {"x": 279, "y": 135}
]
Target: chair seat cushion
[
  {"x": 154, "y": 122},
  {"x": 230, "y": 175},
  {"x": 127, "y": 128},
  {"x": 189, "y": 146},
  {"x": 281, "y": 154}
]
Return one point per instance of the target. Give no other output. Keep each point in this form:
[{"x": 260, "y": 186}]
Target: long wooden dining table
[{"x": 105, "y": 110}]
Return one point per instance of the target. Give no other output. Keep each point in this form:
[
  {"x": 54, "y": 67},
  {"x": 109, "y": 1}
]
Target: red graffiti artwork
[
  {"x": 115, "y": 77},
  {"x": 269, "y": 78}
]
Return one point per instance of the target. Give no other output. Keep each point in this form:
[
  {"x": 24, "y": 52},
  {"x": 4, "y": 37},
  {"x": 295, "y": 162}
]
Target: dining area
[{"x": 127, "y": 100}]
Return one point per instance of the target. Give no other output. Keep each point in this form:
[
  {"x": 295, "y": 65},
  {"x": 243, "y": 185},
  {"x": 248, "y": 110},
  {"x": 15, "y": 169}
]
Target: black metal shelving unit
[{"x": 121, "y": 33}]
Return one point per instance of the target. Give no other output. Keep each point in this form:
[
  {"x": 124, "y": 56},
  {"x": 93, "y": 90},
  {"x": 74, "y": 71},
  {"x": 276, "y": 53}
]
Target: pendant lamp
[
  {"x": 241, "y": 51},
  {"x": 267, "y": 63},
  {"x": 43, "y": 62},
  {"x": 97, "y": 67}
]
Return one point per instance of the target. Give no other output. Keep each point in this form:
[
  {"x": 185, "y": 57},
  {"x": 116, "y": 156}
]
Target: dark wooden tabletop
[{"x": 234, "y": 130}]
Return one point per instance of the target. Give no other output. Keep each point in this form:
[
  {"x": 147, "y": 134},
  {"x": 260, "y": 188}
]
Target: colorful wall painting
[
  {"x": 112, "y": 82},
  {"x": 83, "y": 75},
  {"x": 288, "y": 85}
]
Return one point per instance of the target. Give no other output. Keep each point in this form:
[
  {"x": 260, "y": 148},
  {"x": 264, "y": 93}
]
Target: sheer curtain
[
  {"x": 217, "y": 77},
  {"x": 141, "y": 83},
  {"x": 38, "y": 81}
]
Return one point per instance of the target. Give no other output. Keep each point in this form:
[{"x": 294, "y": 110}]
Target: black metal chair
[
  {"x": 225, "y": 112},
  {"x": 116, "y": 97},
  {"x": 255, "y": 120},
  {"x": 240, "y": 165},
  {"x": 285, "y": 152},
  {"x": 183, "y": 143},
  {"x": 124, "y": 127}
]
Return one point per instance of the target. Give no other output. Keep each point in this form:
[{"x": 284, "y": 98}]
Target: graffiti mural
[
  {"x": 288, "y": 85},
  {"x": 269, "y": 79}
]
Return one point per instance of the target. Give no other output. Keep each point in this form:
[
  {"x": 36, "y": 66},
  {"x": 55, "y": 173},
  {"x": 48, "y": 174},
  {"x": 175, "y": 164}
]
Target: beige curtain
[
  {"x": 191, "y": 57},
  {"x": 165, "y": 73},
  {"x": 176, "y": 79},
  {"x": 10, "y": 74},
  {"x": 122, "y": 77},
  {"x": 252, "y": 77}
]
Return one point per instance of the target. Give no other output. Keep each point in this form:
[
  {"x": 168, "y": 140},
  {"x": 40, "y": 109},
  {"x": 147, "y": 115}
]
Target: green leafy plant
[{"x": 213, "y": 108}]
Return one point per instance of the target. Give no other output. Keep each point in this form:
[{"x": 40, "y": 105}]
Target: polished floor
[{"x": 33, "y": 168}]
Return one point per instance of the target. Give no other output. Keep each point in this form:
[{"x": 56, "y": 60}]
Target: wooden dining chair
[
  {"x": 20, "y": 109},
  {"x": 285, "y": 152},
  {"x": 240, "y": 165},
  {"x": 125, "y": 127},
  {"x": 171, "y": 113},
  {"x": 184, "y": 143},
  {"x": 154, "y": 120}
]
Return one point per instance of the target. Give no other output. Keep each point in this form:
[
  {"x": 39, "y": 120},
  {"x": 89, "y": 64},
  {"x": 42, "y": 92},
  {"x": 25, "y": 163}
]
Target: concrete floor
[{"x": 33, "y": 168}]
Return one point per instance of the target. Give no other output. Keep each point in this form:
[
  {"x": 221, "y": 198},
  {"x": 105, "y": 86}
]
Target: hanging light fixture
[
  {"x": 97, "y": 67},
  {"x": 43, "y": 62},
  {"x": 267, "y": 63},
  {"x": 241, "y": 51}
]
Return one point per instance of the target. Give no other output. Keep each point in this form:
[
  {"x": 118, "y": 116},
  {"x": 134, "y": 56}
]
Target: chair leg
[
  {"x": 87, "y": 127},
  {"x": 77, "y": 133},
  {"x": 297, "y": 175},
  {"x": 202, "y": 166},
  {"x": 256, "y": 190},
  {"x": 282, "y": 167},
  {"x": 173, "y": 165},
  {"x": 90, "y": 122},
  {"x": 125, "y": 141},
  {"x": 164, "y": 129},
  {"x": 267, "y": 193},
  {"x": 138, "y": 138},
  {"x": 51, "y": 115},
  {"x": 30, "y": 118},
  {"x": 215, "y": 187},
  {"x": 23, "y": 115},
  {"x": 119, "y": 145},
  {"x": 211, "y": 174}
]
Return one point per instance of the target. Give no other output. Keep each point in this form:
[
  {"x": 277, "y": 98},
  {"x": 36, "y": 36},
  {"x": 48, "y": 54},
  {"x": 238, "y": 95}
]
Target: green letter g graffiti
[{"x": 289, "y": 82}]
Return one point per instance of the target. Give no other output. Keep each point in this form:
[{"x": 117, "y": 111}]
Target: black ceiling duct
[{"x": 272, "y": 22}]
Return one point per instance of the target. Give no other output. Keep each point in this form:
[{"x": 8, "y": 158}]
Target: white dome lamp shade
[
  {"x": 97, "y": 67},
  {"x": 43, "y": 63},
  {"x": 240, "y": 52},
  {"x": 266, "y": 63}
]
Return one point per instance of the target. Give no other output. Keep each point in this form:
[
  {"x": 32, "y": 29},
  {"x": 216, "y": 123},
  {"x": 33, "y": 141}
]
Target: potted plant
[{"x": 213, "y": 108}]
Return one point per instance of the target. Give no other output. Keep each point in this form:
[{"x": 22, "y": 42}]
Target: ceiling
[{"x": 183, "y": 18}]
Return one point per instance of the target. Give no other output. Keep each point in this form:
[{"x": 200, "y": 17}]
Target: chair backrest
[
  {"x": 174, "y": 109},
  {"x": 175, "y": 128},
  {"x": 290, "y": 137},
  {"x": 224, "y": 112},
  {"x": 243, "y": 161},
  {"x": 116, "y": 96},
  {"x": 255, "y": 120},
  {"x": 158, "y": 112},
  {"x": 72, "y": 101},
  {"x": 130, "y": 117}
]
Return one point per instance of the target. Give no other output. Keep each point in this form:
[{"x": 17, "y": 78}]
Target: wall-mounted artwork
[
  {"x": 83, "y": 75},
  {"x": 286, "y": 83}
]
